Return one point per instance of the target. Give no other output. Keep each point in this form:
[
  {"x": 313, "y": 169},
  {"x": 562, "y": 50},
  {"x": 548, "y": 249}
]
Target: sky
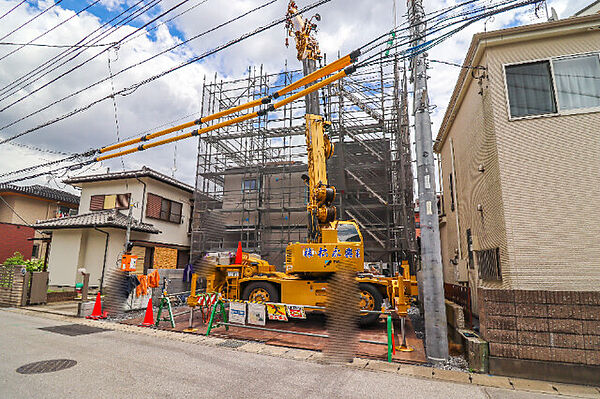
[{"x": 175, "y": 98}]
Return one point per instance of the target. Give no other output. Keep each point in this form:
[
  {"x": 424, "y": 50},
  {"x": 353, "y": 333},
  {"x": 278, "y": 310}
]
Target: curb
[{"x": 409, "y": 370}]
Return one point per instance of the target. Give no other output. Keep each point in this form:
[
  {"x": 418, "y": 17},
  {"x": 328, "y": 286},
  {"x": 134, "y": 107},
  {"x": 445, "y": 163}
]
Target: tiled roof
[
  {"x": 41, "y": 192},
  {"x": 132, "y": 174},
  {"x": 107, "y": 218}
]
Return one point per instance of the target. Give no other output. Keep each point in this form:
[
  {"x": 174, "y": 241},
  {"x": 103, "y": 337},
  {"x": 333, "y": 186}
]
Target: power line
[
  {"x": 132, "y": 88},
  {"x": 12, "y": 9},
  {"x": 52, "y": 45},
  {"x": 492, "y": 9},
  {"x": 454, "y": 64},
  {"x": 30, "y": 43},
  {"x": 73, "y": 156},
  {"x": 409, "y": 53},
  {"x": 45, "y": 164},
  {"x": 93, "y": 38},
  {"x": 39, "y": 149},
  {"x": 136, "y": 64},
  {"x": 91, "y": 58},
  {"x": 90, "y": 45},
  {"x": 165, "y": 22},
  {"x": 30, "y": 20},
  {"x": 62, "y": 168}
]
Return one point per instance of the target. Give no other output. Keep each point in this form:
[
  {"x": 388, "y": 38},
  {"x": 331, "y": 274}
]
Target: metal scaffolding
[{"x": 248, "y": 180}]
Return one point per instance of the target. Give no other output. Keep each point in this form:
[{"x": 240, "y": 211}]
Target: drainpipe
[
  {"x": 105, "y": 251},
  {"x": 143, "y": 197}
]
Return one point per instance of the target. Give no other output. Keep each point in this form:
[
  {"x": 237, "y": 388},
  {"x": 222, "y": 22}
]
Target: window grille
[{"x": 489, "y": 264}]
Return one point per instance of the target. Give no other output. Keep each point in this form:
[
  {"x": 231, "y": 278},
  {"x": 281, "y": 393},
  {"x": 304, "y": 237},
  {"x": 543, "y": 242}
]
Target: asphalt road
[{"x": 114, "y": 364}]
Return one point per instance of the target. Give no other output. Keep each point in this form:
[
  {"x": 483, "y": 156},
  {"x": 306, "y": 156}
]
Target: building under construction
[{"x": 249, "y": 184}]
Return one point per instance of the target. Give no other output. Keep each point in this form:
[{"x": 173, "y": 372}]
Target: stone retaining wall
[
  {"x": 12, "y": 281},
  {"x": 562, "y": 327}
]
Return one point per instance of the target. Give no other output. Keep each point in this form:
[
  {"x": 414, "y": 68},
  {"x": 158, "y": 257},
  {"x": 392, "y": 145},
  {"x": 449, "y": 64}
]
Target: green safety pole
[
  {"x": 212, "y": 317},
  {"x": 171, "y": 319},
  {"x": 160, "y": 308},
  {"x": 224, "y": 315},
  {"x": 389, "y": 338}
]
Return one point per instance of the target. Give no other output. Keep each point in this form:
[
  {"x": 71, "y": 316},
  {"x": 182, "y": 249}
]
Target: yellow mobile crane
[
  {"x": 331, "y": 243},
  {"x": 308, "y": 265}
]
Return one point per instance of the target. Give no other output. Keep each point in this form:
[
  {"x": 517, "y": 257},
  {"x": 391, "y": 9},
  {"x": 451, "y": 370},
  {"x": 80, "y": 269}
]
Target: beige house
[
  {"x": 160, "y": 209},
  {"x": 520, "y": 155},
  {"x": 20, "y": 207}
]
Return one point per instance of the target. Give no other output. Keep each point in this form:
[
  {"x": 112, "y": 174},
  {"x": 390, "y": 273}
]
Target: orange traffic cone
[
  {"x": 149, "y": 317},
  {"x": 97, "y": 312},
  {"x": 238, "y": 255}
]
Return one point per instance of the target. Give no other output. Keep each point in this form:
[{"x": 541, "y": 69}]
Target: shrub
[
  {"x": 32, "y": 265},
  {"x": 16, "y": 259}
]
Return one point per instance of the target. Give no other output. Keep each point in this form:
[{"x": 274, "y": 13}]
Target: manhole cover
[
  {"x": 232, "y": 343},
  {"x": 46, "y": 366},
  {"x": 73, "y": 329}
]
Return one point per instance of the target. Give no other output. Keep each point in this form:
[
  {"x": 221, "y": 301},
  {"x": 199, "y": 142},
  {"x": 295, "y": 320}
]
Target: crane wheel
[
  {"x": 260, "y": 291},
  {"x": 370, "y": 299}
]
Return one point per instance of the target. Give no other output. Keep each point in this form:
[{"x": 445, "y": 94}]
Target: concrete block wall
[
  {"x": 12, "y": 282},
  {"x": 548, "y": 326}
]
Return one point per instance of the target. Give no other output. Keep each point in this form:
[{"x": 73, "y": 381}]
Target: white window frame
[{"x": 559, "y": 111}]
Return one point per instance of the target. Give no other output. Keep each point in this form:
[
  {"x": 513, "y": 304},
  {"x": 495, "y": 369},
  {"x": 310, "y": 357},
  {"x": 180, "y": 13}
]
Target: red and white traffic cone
[
  {"x": 97, "y": 311},
  {"x": 149, "y": 317}
]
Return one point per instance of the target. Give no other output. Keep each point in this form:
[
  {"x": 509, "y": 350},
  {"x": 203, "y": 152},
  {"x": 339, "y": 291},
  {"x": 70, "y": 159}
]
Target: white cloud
[{"x": 345, "y": 26}]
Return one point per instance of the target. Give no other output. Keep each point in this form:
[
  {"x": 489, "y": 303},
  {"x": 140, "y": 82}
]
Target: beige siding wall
[
  {"x": 6, "y": 215},
  {"x": 549, "y": 169},
  {"x": 92, "y": 255},
  {"x": 82, "y": 248},
  {"x": 172, "y": 233},
  {"x": 64, "y": 257},
  {"x": 33, "y": 209},
  {"x": 472, "y": 136},
  {"x": 132, "y": 186},
  {"x": 30, "y": 209}
]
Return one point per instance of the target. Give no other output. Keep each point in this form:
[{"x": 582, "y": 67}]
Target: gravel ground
[
  {"x": 456, "y": 363},
  {"x": 133, "y": 314}
]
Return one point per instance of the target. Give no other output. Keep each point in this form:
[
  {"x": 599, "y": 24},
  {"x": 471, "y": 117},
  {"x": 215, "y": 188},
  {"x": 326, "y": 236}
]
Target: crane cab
[{"x": 342, "y": 242}]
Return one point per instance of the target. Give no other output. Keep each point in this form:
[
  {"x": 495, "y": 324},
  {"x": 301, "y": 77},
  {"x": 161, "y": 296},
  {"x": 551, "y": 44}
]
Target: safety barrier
[
  {"x": 204, "y": 302},
  {"x": 218, "y": 309}
]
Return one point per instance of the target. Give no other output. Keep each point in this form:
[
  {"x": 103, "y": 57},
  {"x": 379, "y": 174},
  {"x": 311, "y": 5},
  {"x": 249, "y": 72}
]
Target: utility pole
[
  {"x": 128, "y": 231},
  {"x": 436, "y": 339}
]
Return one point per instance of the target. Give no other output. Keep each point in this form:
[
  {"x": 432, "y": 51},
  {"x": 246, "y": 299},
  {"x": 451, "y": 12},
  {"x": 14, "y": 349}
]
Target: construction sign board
[
  {"x": 276, "y": 312},
  {"x": 237, "y": 312},
  {"x": 257, "y": 314},
  {"x": 296, "y": 311}
]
